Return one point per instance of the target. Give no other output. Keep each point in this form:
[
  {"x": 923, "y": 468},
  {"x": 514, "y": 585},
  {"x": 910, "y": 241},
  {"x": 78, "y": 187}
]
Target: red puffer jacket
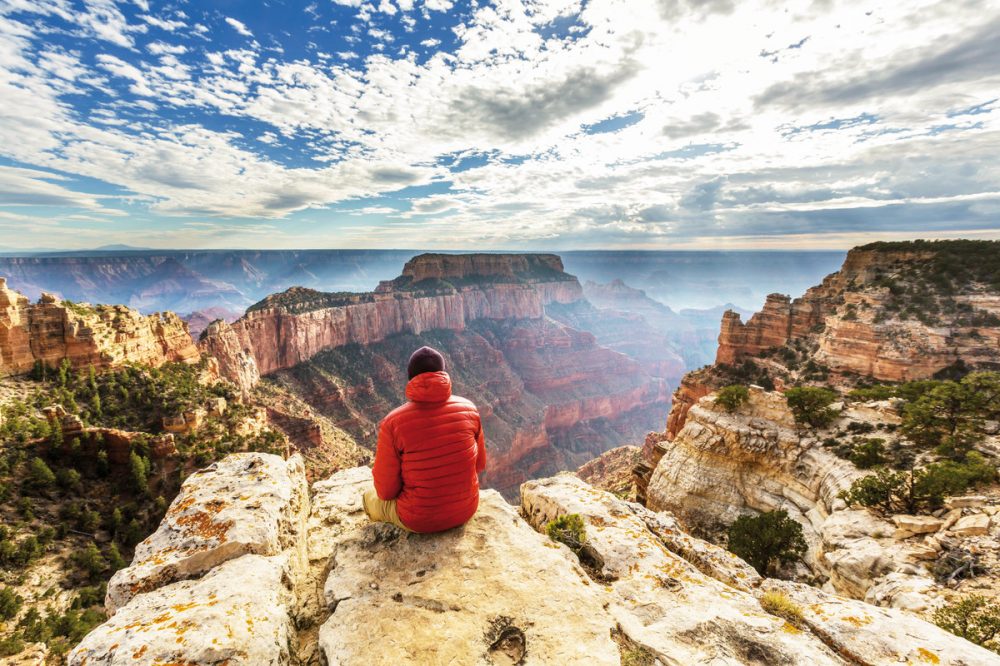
[{"x": 429, "y": 454}]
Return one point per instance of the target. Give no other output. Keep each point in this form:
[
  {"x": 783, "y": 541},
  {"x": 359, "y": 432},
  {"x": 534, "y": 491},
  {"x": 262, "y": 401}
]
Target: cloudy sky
[{"x": 557, "y": 124}]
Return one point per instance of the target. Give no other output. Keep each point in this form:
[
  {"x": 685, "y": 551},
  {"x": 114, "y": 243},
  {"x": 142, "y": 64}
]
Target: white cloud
[
  {"x": 239, "y": 26},
  {"x": 438, "y": 5},
  {"x": 668, "y": 122}
]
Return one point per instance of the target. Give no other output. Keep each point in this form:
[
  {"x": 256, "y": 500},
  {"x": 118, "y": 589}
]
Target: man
[{"x": 429, "y": 454}]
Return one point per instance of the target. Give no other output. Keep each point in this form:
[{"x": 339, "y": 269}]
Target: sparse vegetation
[
  {"x": 975, "y": 618},
  {"x": 732, "y": 397},
  {"x": 779, "y": 604},
  {"x": 767, "y": 541},
  {"x": 568, "y": 529},
  {"x": 811, "y": 405}
]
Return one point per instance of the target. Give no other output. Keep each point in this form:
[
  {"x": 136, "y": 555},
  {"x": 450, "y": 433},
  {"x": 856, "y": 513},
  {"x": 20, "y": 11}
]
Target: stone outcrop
[
  {"x": 287, "y": 329},
  {"x": 103, "y": 336},
  {"x": 858, "y": 321},
  {"x": 493, "y": 592},
  {"x": 725, "y": 464}
]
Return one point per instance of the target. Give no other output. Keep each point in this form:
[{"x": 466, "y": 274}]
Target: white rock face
[
  {"x": 494, "y": 592},
  {"x": 661, "y": 600},
  {"x": 721, "y": 465},
  {"x": 485, "y": 593},
  {"x": 247, "y": 503},
  {"x": 237, "y": 614},
  {"x": 868, "y": 634}
]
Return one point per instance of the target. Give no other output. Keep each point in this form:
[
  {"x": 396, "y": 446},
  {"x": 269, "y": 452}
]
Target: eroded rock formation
[
  {"x": 103, "y": 336},
  {"x": 889, "y": 313},
  {"x": 492, "y": 592}
]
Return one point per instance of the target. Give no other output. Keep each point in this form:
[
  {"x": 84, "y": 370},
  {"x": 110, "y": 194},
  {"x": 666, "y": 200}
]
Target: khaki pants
[{"x": 380, "y": 510}]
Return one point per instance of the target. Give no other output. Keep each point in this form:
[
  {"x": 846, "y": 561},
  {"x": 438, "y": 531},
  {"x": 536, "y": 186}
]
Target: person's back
[{"x": 430, "y": 451}]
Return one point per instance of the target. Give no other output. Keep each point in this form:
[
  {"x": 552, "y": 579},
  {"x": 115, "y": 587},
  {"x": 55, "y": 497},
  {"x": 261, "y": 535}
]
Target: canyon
[
  {"x": 551, "y": 396},
  {"x": 893, "y": 313}
]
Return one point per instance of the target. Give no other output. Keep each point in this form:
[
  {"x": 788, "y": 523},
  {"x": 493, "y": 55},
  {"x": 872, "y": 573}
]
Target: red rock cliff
[
  {"x": 102, "y": 336},
  {"x": 287, "y": 329}
]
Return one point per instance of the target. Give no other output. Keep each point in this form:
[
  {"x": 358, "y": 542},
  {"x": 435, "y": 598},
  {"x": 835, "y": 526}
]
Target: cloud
[{"x": 239, "y": 26}]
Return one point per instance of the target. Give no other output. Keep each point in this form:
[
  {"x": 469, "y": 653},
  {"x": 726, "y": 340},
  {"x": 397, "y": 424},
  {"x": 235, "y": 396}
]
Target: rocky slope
[
  {"x": 331, "y": 588},
  {"x": 103, "y": 336},
  {"x": 723, "y": 464}
]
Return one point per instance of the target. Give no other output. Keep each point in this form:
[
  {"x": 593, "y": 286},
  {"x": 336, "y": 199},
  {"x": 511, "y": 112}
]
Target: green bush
[
  {"x": 974, "y": 618},
  {"x": 919, "y": 490},
  {"x": 568, "y": 529},
  {"x": 732, "y": 397},
  {"x": 39, "y": 474},
  {"x": 767, "y": 541},
  {"x": 10, "y": 603},
  {"x": 868, "y": 453},
  {"x": 810, "y": 405}
]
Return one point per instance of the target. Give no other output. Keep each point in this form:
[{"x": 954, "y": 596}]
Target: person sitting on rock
[{"x": 429, "y": 455}]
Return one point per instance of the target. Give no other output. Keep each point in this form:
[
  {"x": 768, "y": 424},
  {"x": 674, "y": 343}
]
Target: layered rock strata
[
  {"x": 855, "y": 321},
  {"x": 287, "y": 329},
  {"x": 103, "y": 336},
  {"x": 494, "y": 592}
]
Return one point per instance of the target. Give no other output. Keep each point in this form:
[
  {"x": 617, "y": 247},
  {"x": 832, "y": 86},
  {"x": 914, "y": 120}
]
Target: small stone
[
  {"x": 973, "y": 525},
  {"x": 917, "y": 524}
]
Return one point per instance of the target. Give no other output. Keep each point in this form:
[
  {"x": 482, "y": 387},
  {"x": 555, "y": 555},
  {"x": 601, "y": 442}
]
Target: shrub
[
  {"x": 974, "y": 618},
  {"x": 877, "y": 392},
  {"x": 921, "y": 489},
  {"x": 10, "y": 604},
  {"x": 732, "y": 397},
  {"x": 90, "y": 560},
  {"x": 767, "y": 541},
  {"x": 778, "y": 603},
  {"x": 568, "y": 529},
  {"x": 811, "y": 405},
  {"x": 40, "y": 474},
  {"x": 868, "y": 453}
]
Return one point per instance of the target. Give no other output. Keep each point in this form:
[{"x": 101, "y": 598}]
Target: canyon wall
[
  {"x": 854, "y": 319},
  {"x": 331, "y": 587},
  {"x": 278, "y": 334},
  {"x": 103, "y": 335}
]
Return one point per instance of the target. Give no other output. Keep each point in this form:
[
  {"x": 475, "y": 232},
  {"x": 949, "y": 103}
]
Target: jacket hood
[{"x": 429, "y": 387}]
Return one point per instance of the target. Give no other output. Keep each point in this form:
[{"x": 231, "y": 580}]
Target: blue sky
[{"x": 549, "y": 124}]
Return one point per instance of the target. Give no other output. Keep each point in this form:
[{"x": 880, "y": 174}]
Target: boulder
[
  {"x": 965, "y": 502},
  {"x": 486, "y": 593},
  {"x": 907, "y": 526},
  {"x": 238, "y": 614},
  {"x": 974, "y": 525},
  {"x": 246, "y": 503}
]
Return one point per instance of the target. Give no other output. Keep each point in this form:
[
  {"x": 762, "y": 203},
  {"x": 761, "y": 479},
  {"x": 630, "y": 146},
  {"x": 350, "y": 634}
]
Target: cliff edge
[{"x": 329, "y": 587}]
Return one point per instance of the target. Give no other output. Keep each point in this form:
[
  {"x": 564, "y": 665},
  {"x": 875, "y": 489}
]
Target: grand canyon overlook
[
  {"x": 499, "y": 333},
  {"x": 307, "y": 375}
]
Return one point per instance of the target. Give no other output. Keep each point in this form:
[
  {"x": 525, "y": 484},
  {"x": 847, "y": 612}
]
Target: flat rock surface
[
  {"x": 246, "y": 503},
  {"x": 237, "y": 614},
  {"x": 491, "y": 592}
]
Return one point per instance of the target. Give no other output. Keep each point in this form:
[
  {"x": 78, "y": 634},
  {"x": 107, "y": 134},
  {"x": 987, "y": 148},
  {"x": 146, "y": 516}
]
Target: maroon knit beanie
[{"x": 425, "y": 359}]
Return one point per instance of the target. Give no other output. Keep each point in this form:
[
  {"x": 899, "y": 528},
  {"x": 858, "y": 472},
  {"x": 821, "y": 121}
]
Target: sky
[{"x": 517, "y": 124}]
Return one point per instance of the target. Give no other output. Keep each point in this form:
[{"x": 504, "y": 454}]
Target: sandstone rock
[
  {"x": 102, "y": 336},
  {"x": 247, "y": 503},
  {"x": 237, "y": 614},
  {"x": 866, "y": 634},
  {"x": 486, "y": 593},
  {"x": 974, "y": 525},
  {"x": 966, "y": 502},
  {"x": 661, "y": 600},
  {"x": 950, "y": 519},
  {"x": 910, "y": 525},
  {"x": 248, "y": 347}
]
